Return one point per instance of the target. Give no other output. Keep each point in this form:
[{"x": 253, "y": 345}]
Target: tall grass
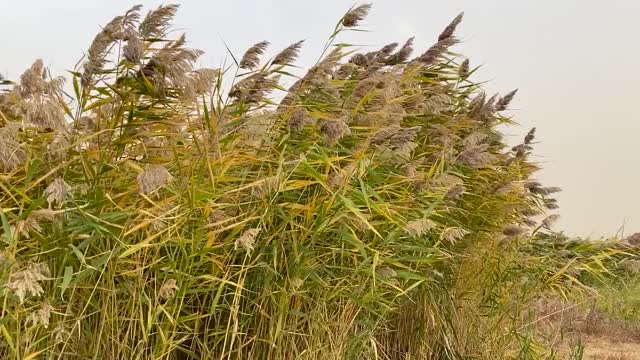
[{"x": 372, "y": 210}]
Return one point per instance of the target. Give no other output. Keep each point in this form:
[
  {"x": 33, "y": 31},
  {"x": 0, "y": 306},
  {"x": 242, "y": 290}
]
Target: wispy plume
[
  {"x": 289, "y": 54},
  {"x": 353, "y": 17},
  {"x": 420, "y": 227},
  {"x": 334, "y": 130},
  {"x": 153, "y": 178},
  {"x": 401, "y": 55},
  {"x": 436, "y": 51},
  {"x": 503, "y": 102},
  {"x": 156, "y": 23},
  {"x": 463, "y": 71},
  {"x": 448, "y": 32},
  {"x": 251, "y": 58},
  {"x": 247, "y": 240}
]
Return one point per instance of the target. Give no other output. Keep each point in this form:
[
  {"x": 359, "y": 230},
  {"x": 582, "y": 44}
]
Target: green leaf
[
  {"x": 6, "y": 227},
  {"x": 66, "y": 280}
]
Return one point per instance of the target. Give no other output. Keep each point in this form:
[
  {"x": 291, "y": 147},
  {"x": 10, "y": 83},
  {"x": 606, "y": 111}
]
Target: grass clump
[{"x": 371, "y": 210}]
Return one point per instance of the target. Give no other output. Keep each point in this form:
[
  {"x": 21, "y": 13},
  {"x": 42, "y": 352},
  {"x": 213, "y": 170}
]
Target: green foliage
[{"x": 370, "y": 210}]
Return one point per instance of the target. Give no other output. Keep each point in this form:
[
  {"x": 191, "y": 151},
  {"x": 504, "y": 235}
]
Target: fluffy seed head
[
  {"x": 12, "y": 156},
  {"x": 334, "y": 130},
  {"x": 531, "y": 135},
  {"x": 434, "y": 53},
  {"x": 417, "y": 228},
  {"x": 247, "y": 239},
  {"x": 251, "y": 58},
  {"x": 57, "y": 192},
  {"x": 157, "y": 21},
  {"x": 335, "y": 179},
  {"x": 447, "y": 33},
  {"x": 512, "y": 230},
  {"x": 153, "y": 178},
  {"x": 289, "y": 54},
  {"x": 41, "y": 316},
  {"x": 550, "y": 220},
  {"x": 463, "y": 71},
  {"x": 386, "y": 272},
  {"x": 26, "y": 282},
  {"x": 354, "y": 16},
  {"x": 168, "y": 289},
  {"x": 134, "y": 49},
  {"x": 402, "y": 55},
  {"x": 634, "y": 239},
  {"x": 503, "y": 102},
  {"x": 453, "y": 234},
  {"x": 298, "y": 119},
  {"x": 455, "y": 192}
]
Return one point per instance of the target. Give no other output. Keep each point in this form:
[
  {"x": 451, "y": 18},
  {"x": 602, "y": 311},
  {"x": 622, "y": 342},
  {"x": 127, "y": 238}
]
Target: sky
[{"x": 575, "y": 63}]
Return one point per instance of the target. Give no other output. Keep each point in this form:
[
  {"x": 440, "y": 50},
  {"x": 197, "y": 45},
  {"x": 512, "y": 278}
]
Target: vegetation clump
[{"x": 371, "y": 210}]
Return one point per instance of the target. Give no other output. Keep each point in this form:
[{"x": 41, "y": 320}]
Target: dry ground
[{"x": 603, "y": 337}]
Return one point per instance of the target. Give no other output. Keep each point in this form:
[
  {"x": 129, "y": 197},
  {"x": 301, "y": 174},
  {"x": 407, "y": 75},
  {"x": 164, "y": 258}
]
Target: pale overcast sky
[{"x": 574, "y": 61}]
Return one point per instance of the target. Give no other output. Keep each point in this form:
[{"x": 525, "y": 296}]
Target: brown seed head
[
  {"x": 247, "y": 239},
  {"x": 463, "y": 71},
  {"x": 57, "y": 192},
  {"x": 531, "y": 135},
  {"x": 157, "y": 21},
  {"x": 447, "y": 33},
  {"x": 512, "y": 230},
  {"x": 402, "y": 55},
  {"x": 420, "y": 227},
  {"x": 504, "y": 101},
  {"x": 437, "y": 50},
  {"x": 153, "y": 178},
  {"x": 251, "y": 58},
  {"x": 289, "y": 54},
  {"x": 334, "y": 130},
  {"x": 354, "y": 16}
]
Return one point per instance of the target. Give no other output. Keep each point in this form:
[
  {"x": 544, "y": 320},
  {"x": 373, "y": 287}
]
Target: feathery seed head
[
  {"x": 354, "y": 16},
  {"x": 437, "y": 50},
  {"x": 26, "y": 282},
  {"x": 455, "y": 192},
  {"x": 453, "y": 234},
  {"x": 134, "y": 49},
  {"x": 402, "y": 55},
  {"x": 531, "y": 135},
  {"x": 289, "y": 54},
  {"x": 504, "y": 101},
  {"x": 12, "y": 156},
  {"x": 216, "y": 216},
  {"x": 550, "y": 220},
  {"x": 476, "y": 104},
  {"x": 298, "y": 119},
  {"x": 156, "y": 23},
  {"x": 247, "y": 239},
  {"x": 57, "y": 192},
  {"x": 447, "y": 33},
  {"x": 463, "y": 71},
  {"x": 41, "y": 316},
  {"x": 386, "y": 272},
  {"x": 251, "y": 58},
  {"x": 168, "y": 289},
  {"x": 512, "y": 230},
  {"x": 634, "y": 239},
  {"x": 153, "y": 178},
  {"x": 334, "y": 130},
  {"x": 420, "y": 227}
]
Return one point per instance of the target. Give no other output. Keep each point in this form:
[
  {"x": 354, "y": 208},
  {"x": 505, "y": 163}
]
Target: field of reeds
[{"x": 370, "y": 210}]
